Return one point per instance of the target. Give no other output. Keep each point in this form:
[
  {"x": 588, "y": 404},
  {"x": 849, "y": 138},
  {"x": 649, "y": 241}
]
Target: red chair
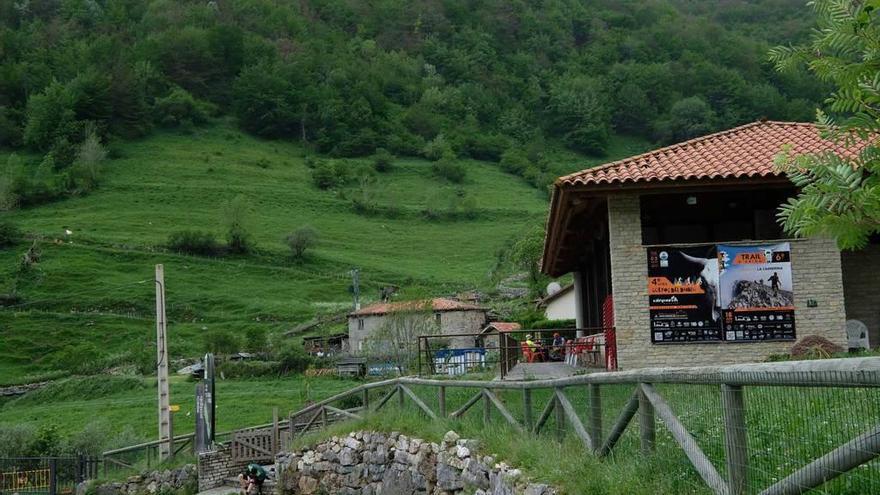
[{"x": 530, "y": 355}]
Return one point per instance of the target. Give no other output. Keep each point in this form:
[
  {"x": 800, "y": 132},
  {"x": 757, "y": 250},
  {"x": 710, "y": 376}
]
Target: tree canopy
[
  {"x": 349, "y": 77},
  {"x": 839, "y": 197}
]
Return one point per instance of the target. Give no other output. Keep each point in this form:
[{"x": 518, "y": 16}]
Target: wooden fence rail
[{"x": 645, "y": 400}]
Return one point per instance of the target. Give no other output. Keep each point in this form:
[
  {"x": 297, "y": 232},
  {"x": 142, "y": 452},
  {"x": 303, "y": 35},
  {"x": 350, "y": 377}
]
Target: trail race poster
[
  {"x": 682, "y": 292},
  {"x": 755, "y": 290}
]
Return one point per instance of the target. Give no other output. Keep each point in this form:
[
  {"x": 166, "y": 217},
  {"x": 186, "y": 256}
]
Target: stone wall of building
[
  {"x": 368, "y": 463},
  {"x": 862, "y": 290},
  {"x": 216, "y": 466},
  {"x": 816, "y": 273},
  {"x": 450, "y": 322}
]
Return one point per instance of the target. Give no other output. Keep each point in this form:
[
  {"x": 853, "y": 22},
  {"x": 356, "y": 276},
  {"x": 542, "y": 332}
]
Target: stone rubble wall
[
  {"x": 373, "y": 463},
  {"x": 148, "y": 482}
]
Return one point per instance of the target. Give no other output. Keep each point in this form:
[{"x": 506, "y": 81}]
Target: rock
[
  {"x": 461, "y": 452},
  {"x": 352, "y": 443},
  {"x": 448, "y": 478},
  {"x": 450, "y": 438},
  {"x": 152, "y": 487},
  {"x": 308, "y": 485},
  {"x": 536, "y": 489}
]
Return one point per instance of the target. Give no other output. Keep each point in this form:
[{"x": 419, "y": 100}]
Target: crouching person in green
[{"x": 252, "y": 479}]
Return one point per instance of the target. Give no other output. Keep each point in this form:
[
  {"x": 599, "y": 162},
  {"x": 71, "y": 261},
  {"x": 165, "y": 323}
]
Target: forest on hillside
[{"x": 486, "y": 79}]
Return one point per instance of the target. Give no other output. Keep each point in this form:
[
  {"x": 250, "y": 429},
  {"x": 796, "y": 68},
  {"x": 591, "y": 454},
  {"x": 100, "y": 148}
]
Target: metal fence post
[
  {"x": 53, "y": 476},
  {"x": 735, "y": 438},
  {"x": 646, "y": 423},
  {"x": 595, "y": 416}
]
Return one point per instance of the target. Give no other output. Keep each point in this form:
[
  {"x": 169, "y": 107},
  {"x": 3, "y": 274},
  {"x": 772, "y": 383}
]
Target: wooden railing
[{"x": 649, "y": 404}]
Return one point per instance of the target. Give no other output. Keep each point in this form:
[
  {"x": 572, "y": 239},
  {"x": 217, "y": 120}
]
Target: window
[
  {"x": 712, "y": 216},
  {"x": 360, "y": 323},
  {"x": 437, "y": 318}
]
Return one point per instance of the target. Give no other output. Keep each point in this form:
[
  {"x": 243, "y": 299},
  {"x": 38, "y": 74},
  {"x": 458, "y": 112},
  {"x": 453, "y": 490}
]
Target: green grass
[
  {"x": 97, "y": 285},
  {"x": 129, "y": 404}
]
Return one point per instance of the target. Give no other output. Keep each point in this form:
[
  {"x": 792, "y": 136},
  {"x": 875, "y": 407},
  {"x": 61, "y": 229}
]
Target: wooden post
[
  {"x": 400, "y": 397},
  {"x": 487, "y": 409},
  {"x": 527, "y": 409},
  {"x": 275, "y": 433},
  {"x": 162, "y": 367},
  {"x": 646, "y": 423},
  {"x": 442, "y": 401},
  {"x": 560, "y": 418},
  {"x": 53, "y": 476},
  {"x": 366, "y": 400},
  {"x": 594, "y": 416},
  {"x": 324, "y": 422},
  {"x": 735, "y": 438},
  {"x": 291, "y": 429}
]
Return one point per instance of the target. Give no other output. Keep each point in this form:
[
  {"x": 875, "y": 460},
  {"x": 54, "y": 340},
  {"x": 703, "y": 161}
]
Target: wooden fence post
[
  {"x": 594, "y": 421},
  {"x": 442, "y": 401},
  {"x": 487, "y": 409},
  {"x": 527, "y": 409},
  {"x": 275, "y": 431},
  {"x": 646, "y": 423},
  {"x": 560, "y": 418},
  {"x": 53, "y": 476},
  {"x": 735, "y": 438},
  {"x": 324, "y": 422},
  {"x": 291, "y": 429},
  {"x": 400, "y": 397},
  {"x": 366, "y": 401}
]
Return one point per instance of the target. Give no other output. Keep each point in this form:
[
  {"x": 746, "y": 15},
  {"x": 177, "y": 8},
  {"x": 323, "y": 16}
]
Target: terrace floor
[{"x": 540, "y": 371}]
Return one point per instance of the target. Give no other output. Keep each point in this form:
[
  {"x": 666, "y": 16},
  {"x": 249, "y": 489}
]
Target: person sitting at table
[
  {"x": 557, "y": 348},
  {"x": 534, "y": 348}
]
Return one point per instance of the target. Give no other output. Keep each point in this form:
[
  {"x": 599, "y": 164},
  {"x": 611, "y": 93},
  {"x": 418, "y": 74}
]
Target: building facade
[
  {"x": 561, "y": 305},
  {"x": 445, "y": 316},
  {"x": 683, "y": 243}
]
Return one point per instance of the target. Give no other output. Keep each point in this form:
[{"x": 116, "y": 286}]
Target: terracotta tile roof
[
  {"x": 745, "y": 151},
  {"x": 503, "y": 326},
  {"x": 436, "y": 304}
]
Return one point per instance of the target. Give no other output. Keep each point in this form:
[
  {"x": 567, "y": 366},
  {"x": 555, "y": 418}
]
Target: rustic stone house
[
  {"x": 450, "y": 317},
  {"x": 680, "y": 251}
]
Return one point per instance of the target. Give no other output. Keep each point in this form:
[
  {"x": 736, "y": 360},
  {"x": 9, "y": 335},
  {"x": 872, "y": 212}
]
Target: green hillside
[{"x": 96, "y": 284}]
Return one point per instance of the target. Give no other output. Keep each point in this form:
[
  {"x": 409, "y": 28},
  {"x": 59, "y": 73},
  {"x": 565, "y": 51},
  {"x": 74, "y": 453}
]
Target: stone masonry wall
[
  {"x": 862, "y": 290},
  {"x": 373, "y": 463},
  {"x": 816, "y": 273},
  {"x": 146, "y": 483},
  {"x": 217, "y": 465}
]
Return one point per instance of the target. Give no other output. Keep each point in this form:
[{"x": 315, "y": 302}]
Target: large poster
[
  {"x": 682, "y": 292},
  {"x": 756, "y": 293}
]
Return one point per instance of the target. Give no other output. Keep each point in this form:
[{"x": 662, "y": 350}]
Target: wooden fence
[{"x": 649, "y": 404}]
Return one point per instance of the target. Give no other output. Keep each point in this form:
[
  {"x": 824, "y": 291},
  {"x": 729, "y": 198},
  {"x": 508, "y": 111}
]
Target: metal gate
[{"x": 45, "y": 475}]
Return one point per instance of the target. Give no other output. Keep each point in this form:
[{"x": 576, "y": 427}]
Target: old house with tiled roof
[
  {"x": 679, "y": 250},
  {"x": 449, "y": 316}
]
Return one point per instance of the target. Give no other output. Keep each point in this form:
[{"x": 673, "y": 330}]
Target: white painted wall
[{"x": 561, "y": 308}]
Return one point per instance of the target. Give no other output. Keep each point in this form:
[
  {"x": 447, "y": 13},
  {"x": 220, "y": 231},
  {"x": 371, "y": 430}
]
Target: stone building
[
  {"x": 449, "y": 317},
  {"x": 680, "y": 251}
]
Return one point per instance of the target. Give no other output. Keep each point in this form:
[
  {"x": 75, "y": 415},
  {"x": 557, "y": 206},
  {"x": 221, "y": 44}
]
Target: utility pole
[
  {"x": 356, "y": 287},
  {"x": 165, "y": 438}
]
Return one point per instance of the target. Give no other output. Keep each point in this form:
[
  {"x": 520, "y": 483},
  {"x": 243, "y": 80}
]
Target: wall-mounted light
[{"x": 691, "y": 200}]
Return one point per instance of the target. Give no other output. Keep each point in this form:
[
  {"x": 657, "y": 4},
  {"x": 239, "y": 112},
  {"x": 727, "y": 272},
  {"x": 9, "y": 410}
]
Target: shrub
[
  {"x": 248, "y": 369},
  {"x": 180, "y": 108},
  {"x": 293, "y": 358},
  {"x": 9, "y": 234},
  {"x": 87, "y": 168},
  {"x": 256, "y": 340},
  {"x": 449, "y": 169},
  {"x": 50, "y": 116},
  {"x": 438, "y": 148},
  {"x": 311, "y": 162},
  {"x": 514, "y": 162},
  {"x": 300, "y": 240},
  {"x": 324, "y": 176},
  {"x": 222, "y": 343},
  {"x": 383, "y": 160},
  {"x": 485, "y": 147},
  {"x": 83, "y": 358},
  {"x": 238, "y": 237},
  {"x": 194, "y": 242}
]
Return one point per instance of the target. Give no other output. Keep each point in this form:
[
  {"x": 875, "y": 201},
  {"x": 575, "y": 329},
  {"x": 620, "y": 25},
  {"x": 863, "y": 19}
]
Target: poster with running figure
[
  {"x": 756, "y": 293},
  {"x": 682, "y": 292}
]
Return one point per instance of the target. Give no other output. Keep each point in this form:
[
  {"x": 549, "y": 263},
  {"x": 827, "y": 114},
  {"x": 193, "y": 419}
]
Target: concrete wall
[
  {"x": 561, "y": 308},
  {"x": 816, "y": 270},
  {"x": 862, "y": 289},
  {"x": 450, "y": 322}
]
